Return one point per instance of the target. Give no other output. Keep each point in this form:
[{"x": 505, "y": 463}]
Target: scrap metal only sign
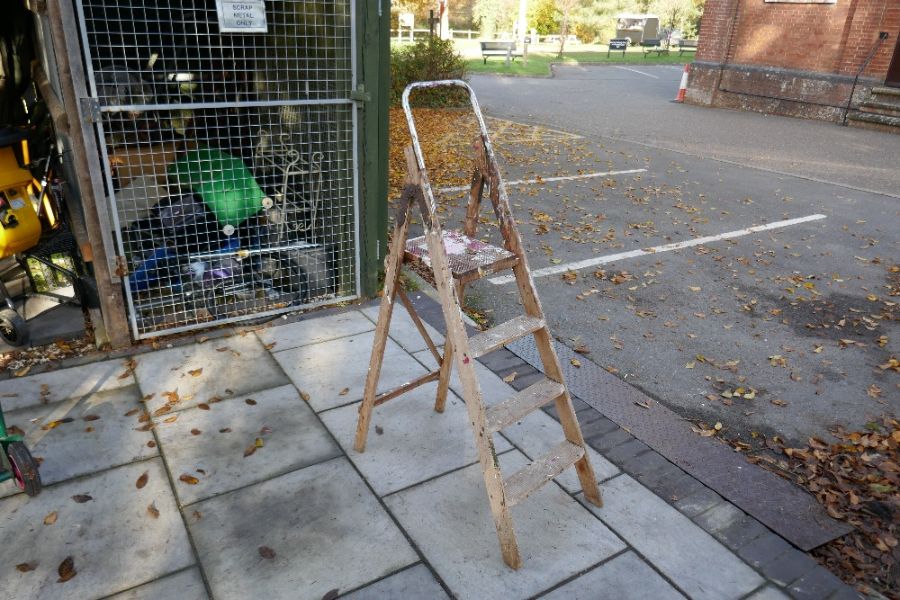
[{"x": 247, "y": 16}]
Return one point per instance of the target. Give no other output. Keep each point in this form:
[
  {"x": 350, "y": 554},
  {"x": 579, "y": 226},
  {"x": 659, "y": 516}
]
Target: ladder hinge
[
  {"x": 90, "y": 110},
  {"x": 360, "y": 94},
  {"x": 121, "y": 266}
]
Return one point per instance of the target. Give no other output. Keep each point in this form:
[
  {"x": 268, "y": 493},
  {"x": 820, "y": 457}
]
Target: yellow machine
[{"x": 20, "y": 228}]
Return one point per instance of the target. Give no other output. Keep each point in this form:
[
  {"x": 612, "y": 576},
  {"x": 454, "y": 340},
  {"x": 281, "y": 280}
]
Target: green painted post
[{"x": 373, "y": 58}]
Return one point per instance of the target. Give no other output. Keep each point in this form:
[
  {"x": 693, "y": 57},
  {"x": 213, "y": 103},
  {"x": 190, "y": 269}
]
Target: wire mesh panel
[{"x": 229, "y": 156}]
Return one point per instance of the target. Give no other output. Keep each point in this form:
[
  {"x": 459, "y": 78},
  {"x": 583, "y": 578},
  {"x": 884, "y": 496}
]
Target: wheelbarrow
[{"x": 16, "y": 461}]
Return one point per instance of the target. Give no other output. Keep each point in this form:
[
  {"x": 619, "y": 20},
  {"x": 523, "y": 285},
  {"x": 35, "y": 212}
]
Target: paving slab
[
  {"x": 417, "y": 443},
  {"x": 326, "y": 370},
  {"x": 77, "y": 382},
  {"x": 326, "y": 529},
  {"x": 412, "y": 583},
  {"x": 403, "y": 330},
  {"x": 186, "y": 585},
  {"x": 313, "y": 330},
  {"x": 222, "y": 368},
  {"x": 538, "y": 433},
  {"x": 493, "y": 388},
  {"x": 626, "y": 577},
  {"x": 449, "y": 520},
  {"x": 115, "y": 543},
  {"x": 99, "y": 437},
  {"x": 291, "y": 434},
  {"x": 691, "y": 558}
]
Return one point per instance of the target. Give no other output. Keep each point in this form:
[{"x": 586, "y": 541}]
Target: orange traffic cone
[{"x": 679, "y": 97}]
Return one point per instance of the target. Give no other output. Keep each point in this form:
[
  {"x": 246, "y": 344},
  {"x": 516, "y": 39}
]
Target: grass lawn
[
  {"x": 541, "y": 56},
  {"x": 539, "y": 61}
]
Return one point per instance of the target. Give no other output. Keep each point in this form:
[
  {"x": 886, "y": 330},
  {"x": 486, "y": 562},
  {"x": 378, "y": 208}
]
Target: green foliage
[
  {"x": 428, "y": 59},
  {"x": 543, "y": 16},
  {"x": 495, "y": 16}
]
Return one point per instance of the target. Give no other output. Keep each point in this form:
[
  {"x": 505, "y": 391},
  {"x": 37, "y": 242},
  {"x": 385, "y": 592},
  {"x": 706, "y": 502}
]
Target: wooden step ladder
[{"x": 457, "y": 258}]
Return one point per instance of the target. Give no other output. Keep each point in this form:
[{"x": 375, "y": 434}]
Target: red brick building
[{"x": 800, "y": 58}]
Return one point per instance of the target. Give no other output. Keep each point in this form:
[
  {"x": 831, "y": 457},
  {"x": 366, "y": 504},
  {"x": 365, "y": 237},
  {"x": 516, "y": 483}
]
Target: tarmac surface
[{"x": 780, "y": 330}]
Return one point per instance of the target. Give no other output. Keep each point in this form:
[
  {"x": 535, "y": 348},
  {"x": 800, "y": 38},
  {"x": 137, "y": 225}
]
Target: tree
[
  {"x": 565, "y": 7},
  {"x": 543, "y": 16},
  {"x": 495, "y": 15}
]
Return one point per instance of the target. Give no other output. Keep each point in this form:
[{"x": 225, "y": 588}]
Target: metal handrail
[
  {"x": 411, "y": 124},
  {"x": 882, "y": 35}
]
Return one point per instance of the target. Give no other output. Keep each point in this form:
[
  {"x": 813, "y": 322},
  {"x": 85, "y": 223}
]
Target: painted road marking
[
  {"x": 602, "y": 260},
  {"x": 636, "y": 71},
  {"x": 461, "y": 188}
]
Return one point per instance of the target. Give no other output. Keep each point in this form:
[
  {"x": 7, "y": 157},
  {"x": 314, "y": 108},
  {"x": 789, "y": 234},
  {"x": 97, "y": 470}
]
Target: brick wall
[{"x": 782, "y": 56}]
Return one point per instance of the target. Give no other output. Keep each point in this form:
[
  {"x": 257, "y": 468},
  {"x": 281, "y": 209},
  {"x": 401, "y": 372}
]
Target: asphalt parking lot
[{"x": 731, "y": 284}]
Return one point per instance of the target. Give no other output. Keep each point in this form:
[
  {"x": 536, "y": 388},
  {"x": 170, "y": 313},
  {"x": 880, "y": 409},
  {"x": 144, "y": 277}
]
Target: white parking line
[
  {"x": 602, "y": 260},
  {"x": 635, "y": 71},
  {"x": 461, "y": 188}
]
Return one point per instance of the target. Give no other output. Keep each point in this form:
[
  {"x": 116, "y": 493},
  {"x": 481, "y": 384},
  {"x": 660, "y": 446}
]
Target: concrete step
[
  {"x": 885, "y": 108},
  {"x": 885, "y": 91},
  {"x": 878, "y": 122}
]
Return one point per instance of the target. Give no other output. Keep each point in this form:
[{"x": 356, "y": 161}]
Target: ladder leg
[
  {"x": 447, "y": 363},
  {"x": 500, "y": 511},
  {"x": 391, "y": 282},
  {"x": 444, "y": 380}
]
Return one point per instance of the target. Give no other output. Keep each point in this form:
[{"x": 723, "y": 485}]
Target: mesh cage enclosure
[{"x": 229, "y": 158}]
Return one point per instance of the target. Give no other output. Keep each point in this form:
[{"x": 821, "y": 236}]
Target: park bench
[
  {"x": 686, "y": 46},
  {"x": 654, "y": 45},
  {"x": 505, "y": 49}
]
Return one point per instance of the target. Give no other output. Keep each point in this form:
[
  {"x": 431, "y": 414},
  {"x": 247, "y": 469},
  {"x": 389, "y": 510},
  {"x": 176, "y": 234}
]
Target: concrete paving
[{"x": 244, "y": 489}]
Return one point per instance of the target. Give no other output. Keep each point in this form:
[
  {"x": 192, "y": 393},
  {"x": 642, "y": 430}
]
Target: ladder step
[
  {"x": 510, "y": 331},
  {"x": 523, "y": 403},
  {"x": 469, "y": 259},
  {"x": 530, "y": 478}
]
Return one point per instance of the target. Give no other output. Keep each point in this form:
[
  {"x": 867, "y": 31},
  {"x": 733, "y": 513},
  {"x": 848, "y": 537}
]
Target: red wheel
[{"x": 24, "y": 468}]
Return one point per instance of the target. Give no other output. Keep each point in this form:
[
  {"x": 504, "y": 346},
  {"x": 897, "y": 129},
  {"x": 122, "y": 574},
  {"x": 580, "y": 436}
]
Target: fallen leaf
[
  {"x": 66, "y": 570},
  {"x": 249, "y": 450},
  {"x": 189, "y": 479},
  {"x": 304, "y": 396},
  {"x": 331, "y": 594},
  {"x": 644, "y": 404},
  {"x": 259, "y": 443},
  {"x": 694, "y": 288},
  {"x": 171, "y": 419},
  {"x": 575, "y": 362},
  {"x": 152, "y": 510},
  {"x": 82, "y": 498},
  {"x": 250, "y": 401},
  {"x": 22, "y": 372},
  {"x": 718, "y": 427},
  {"x": 265, "y": 430},
  {"x": 379, "y": 429},
  {"x": 511, "y": 377},
  {"x": 225, "y": 430},
  {"x": 344, "y": 392},
  {"x": 195, "y": 372},
  {"x": 266, "y": 552},
  {"x": 203, "y": 406},
  {"x": 25, "y": 567},
  {"x": 270, "y": 346},
  {"x": 90, "y": 417},
  {"x": 690, "y": 365},
  {"x": 142, "y": 480},
  {"x": 195, "y": 431},
  {"x": 873, "y": 391},
  {"x": 50, "y": 519}
]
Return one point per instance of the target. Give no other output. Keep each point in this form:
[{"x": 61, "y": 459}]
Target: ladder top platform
[{"x": 468, "y": 258}]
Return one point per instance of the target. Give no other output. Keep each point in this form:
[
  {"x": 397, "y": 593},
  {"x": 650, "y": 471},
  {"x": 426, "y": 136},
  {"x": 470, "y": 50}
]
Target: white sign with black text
[{"x": 246, "y": 16}]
